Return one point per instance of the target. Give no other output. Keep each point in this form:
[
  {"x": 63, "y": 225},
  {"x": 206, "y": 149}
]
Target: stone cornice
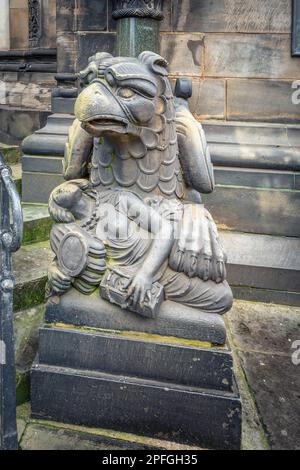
[{"x": 138, "y": 8}]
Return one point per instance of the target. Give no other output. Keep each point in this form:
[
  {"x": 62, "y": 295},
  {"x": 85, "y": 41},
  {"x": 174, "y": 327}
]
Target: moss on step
[
  {"x": 12, "y": 153},
  {"x": 26, "y": 325},
  {"x": 37, "y": 223},
  {"x": 44, "y": 434},
  {"x": 23, "y": 387},
  {"x": 30, "y": 265},
  {"x": 30, "y": 294}
]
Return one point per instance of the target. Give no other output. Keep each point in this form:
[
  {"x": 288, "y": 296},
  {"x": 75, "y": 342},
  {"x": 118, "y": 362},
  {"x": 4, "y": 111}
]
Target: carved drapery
[
  {"x": 138, "y": 8},
  {"x": 35, "y": 22}
]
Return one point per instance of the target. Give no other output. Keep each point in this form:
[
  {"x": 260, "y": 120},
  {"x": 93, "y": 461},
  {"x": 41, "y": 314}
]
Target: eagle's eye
[{"x": 126, "y": 93}]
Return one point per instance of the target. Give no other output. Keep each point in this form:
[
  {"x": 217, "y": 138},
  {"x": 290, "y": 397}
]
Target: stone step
[
  {"x": 12, "y": 153},
  {"x": 17, "y": 176},
  {"x": 39, "y": 434},
  {"x": 26, "y": 325},
  {"x": 254, "y": 144},
  {"x": 147, "y": 407},
  {"x": 255, "y": 210},
  {"x": 257, "y": 178},
  {"x": 263, "y": 268},
  {"x": 37, "y": 223},
  {"x": 30, "y": 265},
  {"x": 135, "y": 355}
]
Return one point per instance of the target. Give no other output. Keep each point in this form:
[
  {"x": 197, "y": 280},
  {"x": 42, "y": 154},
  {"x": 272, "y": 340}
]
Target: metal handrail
[{"x": 11, "y": 235}]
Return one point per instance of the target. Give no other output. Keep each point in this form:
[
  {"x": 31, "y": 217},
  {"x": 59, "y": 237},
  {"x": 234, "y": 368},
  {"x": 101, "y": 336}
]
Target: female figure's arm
[{"x": 162, "y": 234}]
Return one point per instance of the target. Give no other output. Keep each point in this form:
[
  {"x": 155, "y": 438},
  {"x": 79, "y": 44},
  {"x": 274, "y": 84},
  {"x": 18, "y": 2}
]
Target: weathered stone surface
[
  {"x": 254, "y": 294},
  {"x": 18, "y": 25},
  {"x": 91, "y": 43},
  {"x": 65, "y": 15},
  {"x": 11, "y": 153},
  {"x": 273, "y": 101},
  {"x": 37, "y": 223},
  {"x": 181, "y": 362},
  {"x": 30, "y": 270},
  {"x": 152, "y": 408},
  {"x": 41, "y": 437},
  {"x": 48, "y": 25},
  {"x": 67, "y": 51},
  {"x": 234, "y": 176},
  {"x": 38, "y": 187},
  {"x": 263, "y": 268},
  {"x": 30, "y": 95},
  {"x": 254, "y": 133},
  {"x": 26, "y": 324},
  {"x": 264, "y": 328},
  {"x": 92, "y": 15},
  {"x": 208, "y": 99},
  {"x": 18, "y": 123},
  {"x": 41, "y": 164},
  {"x": 274, "y": 381},
  {"x": 183, "y": 52},
  {"x": 248, "y": 16},
  {"x": 264, "y": 211},
  {"x": 250, "y": 56},
  {"x": 264, "y": 335}
]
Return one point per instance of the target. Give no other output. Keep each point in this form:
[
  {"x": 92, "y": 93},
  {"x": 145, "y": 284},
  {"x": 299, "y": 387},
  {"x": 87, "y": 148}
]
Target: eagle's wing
[
  {"x": 194, "y": 152},
  {"x": 77, "y": 152}
]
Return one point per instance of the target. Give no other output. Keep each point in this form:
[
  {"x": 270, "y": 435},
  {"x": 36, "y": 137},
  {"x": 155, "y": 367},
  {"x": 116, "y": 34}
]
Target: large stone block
[
  {"x": 189, "y": 415},
  {"x": 66, "y": 15},
  {"x": 37, "y": 187},
  {"x": 18, "y": 123},
  {"x": 90, "y": 43},
  {"x": 173, "y": 319},
  {"x": 67, "y": 50},
  {"x": 255, "y": 210},
  {"x": 18, "y": 25},
  {"x": 248, "y": 16},
  {"x": 208, "y": 98},
  {"x": 137, "y": 355},
  {"x": 250, "y": 56},
  {"x": 92, "y": 15},
  {"x": 48, "y": 25},
  {"x": 274, "y": 381},
  {"x": 183, "y": 52},
  {"x": 261, "y": 100},
  {"x": 263, "y": 261}
]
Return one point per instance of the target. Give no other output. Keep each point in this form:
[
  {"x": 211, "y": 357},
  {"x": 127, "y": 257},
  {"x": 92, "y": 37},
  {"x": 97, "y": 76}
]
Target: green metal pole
[{"x": 138, "y": 24}]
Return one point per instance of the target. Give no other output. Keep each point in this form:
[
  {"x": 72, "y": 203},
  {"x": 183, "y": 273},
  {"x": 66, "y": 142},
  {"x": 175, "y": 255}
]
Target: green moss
[
  {"x": 37, "y": 230},
  {"x": 23, "y": 388},
  {"x": 151, "y": 337},
  {"x": 12, "y": 154},
  {"x": 29, "y": 294}
]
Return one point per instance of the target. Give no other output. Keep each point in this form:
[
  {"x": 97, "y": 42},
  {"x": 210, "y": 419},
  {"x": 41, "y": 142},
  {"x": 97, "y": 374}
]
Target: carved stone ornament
[
  {"x": 130, "y": 223},
  {"x": 35, "y": 22},
  {"x": 138, "y": 8}
]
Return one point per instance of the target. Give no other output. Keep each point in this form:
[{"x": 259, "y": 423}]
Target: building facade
[{"x": 234, "y": 50}]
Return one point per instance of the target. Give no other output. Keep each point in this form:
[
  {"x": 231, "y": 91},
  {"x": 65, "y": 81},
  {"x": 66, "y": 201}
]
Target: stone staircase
[{"x": 257, "y": 207}]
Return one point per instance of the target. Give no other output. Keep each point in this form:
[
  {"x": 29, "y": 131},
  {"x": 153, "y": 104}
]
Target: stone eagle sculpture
[{"x": 129, "y": 217}]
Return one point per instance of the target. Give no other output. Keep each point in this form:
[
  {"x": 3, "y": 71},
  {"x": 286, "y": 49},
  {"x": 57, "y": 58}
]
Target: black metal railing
[{"x": 11, "y": 233}]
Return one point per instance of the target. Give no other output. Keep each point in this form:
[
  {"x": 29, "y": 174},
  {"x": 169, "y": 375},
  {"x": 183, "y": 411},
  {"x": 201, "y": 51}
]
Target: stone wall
[{"x": 238, "y": 52}]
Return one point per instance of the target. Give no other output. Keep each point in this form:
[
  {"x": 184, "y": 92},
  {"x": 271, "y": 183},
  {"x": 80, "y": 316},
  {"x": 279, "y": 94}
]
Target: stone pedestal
[{"x": 170, "y": 378}]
